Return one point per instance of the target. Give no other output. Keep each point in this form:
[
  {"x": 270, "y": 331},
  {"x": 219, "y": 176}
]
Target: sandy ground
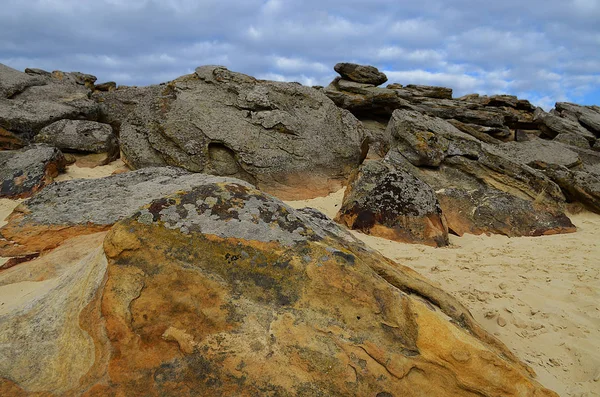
[{"x": 539, "y": 295}]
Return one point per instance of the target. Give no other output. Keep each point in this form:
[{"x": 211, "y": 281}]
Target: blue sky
[{"x": 543, "y": 50}]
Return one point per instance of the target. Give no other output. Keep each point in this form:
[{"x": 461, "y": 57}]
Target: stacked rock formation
[{"x": 189, "y": 276}]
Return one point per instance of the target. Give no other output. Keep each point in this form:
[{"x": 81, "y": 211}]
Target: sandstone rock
[
  {"x": 108, "y": 86},
  {"x": 360, "y": 73},
  {"x": 540, "y": 150},
  {"x": 10, "y": 141},
  {"x": 223, "y": 290},
  {"x": 430, "y": 91},
  {"x": 383, "y": 199},
  {"x": 13, "y": 82},
  {"x": 587, "y": 116},
  {"x": 23, "y": 172},
  {"x": 573, "y": 140},
  {"x": 51, "y": 333},
  {"x": 45, "y": 99},
  {"x": 378, "y": 136},
  {"x": 552, "y": 125},
  {"x": 285, "y": 138},
  {"x": 480, "y": 190},
  {"x": 81, "y": 136},
  {"x": 84, "y": 206}
]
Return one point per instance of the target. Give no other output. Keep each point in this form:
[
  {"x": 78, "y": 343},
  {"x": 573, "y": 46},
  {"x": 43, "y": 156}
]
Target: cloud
[{"x": 544, "y": 50}]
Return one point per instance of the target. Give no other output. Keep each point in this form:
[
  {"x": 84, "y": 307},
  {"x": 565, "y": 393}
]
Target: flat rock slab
[{"x": 24, "y": 172}]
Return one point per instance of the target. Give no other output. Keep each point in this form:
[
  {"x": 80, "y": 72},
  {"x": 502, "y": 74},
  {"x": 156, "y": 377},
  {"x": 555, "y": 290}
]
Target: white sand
[
  {"x": 539, "y": 295},
  {"x": 76, "y": 172}
]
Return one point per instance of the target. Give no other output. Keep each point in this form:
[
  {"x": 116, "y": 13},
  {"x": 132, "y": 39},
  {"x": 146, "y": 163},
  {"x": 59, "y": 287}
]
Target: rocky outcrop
[
  {"x": 552, "y": 125},
  {"x": 85, "y": 206},
  {"x": 33, "y": 101},
  {"x": 587, "y": 116},
  {"x": 479, "y": 189},
  {"x": 51, "y": 330},
  {"x": 360, "y": 73},
  {"x": 223, "y": 290},
  {"x": 25, "y": 171},
  {"x": 575, "y": 170},
  {"x": 286, "y": 139},
  {"x": 81, "y": 136},
  {"x": 385, "y": 200}
]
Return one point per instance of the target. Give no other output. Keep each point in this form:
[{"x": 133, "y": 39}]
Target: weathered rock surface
[
  {"x": 25, "y": 171},
  {"x": 360, "y": 73},
  {"x": 81, "y": 136},
  {"x": 587, "y": 116},
  {"x": 33, "y": 101},
  {"x": 285, "y": 138},
  {"x": 51, "y": 331},
  {"x": 223, "y": 290},
  {"x": 553, "y": 125},
  {"x": 479, "y": 189},
  {"x": 575, "y": 170},
  {"x": 383, "y": 199},
  {"x": 85, "y": 206}
]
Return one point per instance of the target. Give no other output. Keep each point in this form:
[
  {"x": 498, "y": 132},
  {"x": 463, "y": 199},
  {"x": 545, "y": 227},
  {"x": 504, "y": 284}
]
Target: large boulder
[
  {"x": 360, "y": 73},
  {"x": 223, "y": 290},
  {"x": 24, "y": 172},
  {"x": 385, "y": 200},
  {"x": 285, "y": 138},
  {"x": 480, "y": 190},
  {"x": 81, "y": 136},
  {"x": 85, "y": 206},
  {"x": 41, "y": 99}
]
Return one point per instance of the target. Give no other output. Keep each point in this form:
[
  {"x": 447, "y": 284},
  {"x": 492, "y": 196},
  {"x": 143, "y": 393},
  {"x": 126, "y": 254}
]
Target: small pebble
[{"x": 501, "y": 322}]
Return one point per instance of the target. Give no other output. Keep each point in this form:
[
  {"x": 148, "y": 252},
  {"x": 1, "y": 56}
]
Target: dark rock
[
  {"x": 10, "y": 141},
  {"x": 360, "y": 73},
  {"x": 216, "y": 121},
  {"x": 84, "y": 206},
  {"x": 384, "y": 200},
  {"x": 81, "y": 136},
  {"x": 108, "y": 86},
  {"x": 37, "y": 72},
  {"x": 379, "y": 139},
  {"x": 25, "y": 171}
]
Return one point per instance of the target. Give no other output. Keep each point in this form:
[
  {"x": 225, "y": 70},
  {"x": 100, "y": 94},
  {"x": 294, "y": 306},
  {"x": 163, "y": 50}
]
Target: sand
[{"x": 539, "y": 295}]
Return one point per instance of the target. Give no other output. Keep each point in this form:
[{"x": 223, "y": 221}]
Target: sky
[{"x": 542, "y": 50}]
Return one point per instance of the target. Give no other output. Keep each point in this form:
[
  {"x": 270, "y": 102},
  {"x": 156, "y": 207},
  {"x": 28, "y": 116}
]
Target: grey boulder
[
  {"x": 287, "y": 139},
  {"x": 25, "y": 171},
  {"x": 80, "y": 136},
  {"x": 360, "y": 73}
]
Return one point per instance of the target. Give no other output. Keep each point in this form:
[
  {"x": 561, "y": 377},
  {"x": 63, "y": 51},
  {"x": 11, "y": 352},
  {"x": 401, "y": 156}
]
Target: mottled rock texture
[
  {"x": 24, "y": 172},
  {"x": 383, "y": 199},
  {"x": 223, "y": 290},
  {"x": 29, "y": 102},
  {"x": 81, "y": 136},
  {"x": 480, "y": 190},
  {"x": 84, "y": 206},
  {"x": 360, "y": 73},
  {"x": 285, "y": 138}
]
